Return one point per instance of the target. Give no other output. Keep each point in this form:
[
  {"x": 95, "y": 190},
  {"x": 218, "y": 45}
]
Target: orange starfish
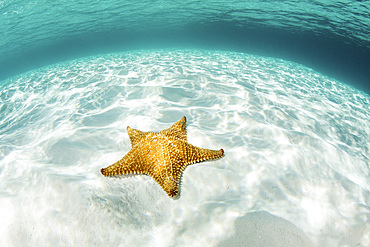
[{"x": 161, "y": 155}]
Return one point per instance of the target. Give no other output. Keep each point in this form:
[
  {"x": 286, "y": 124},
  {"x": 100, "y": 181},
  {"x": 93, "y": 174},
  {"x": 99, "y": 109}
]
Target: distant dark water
[{"x": 332, "y": 38}]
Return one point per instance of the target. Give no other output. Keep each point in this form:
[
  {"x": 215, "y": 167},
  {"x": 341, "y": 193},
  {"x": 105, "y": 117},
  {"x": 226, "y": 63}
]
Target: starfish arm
[
  {"x": 131, "y": 163},
  {"x": 177, "y": 130},
  {"x": 169, "y": 184},
  {"x": 135, "y": 135},
  {"x": 169, "y": 177},
  {"x": 196, "y": 155}
]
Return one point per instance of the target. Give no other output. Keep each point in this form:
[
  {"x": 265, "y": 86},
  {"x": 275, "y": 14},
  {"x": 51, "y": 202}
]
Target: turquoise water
[
  {"x": 296, "y": 136},
  {"x": 331, "y": 37}
]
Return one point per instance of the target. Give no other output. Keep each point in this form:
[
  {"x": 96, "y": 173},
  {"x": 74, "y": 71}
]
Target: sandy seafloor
[{"x": 295, "y": 171}]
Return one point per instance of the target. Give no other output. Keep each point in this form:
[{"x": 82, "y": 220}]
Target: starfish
[{"x": 162, "y": 155}]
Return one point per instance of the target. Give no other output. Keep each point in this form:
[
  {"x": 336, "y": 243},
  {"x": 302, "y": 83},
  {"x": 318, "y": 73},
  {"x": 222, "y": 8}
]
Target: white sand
[{"x": 296, "y": 165}]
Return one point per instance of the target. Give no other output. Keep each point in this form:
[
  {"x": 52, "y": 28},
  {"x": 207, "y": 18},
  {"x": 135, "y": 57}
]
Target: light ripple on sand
[{"x": 296, "y": 147}]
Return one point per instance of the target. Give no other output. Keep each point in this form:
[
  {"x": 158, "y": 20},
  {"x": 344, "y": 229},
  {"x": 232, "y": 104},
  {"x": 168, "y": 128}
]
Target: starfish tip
[{"x": 172, "y": 193}]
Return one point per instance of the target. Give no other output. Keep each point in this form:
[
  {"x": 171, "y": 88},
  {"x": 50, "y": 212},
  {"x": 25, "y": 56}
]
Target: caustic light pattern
[{"x": 297, "y": 147}]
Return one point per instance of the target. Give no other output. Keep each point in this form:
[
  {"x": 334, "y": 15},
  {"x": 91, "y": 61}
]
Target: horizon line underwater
[{"x": 274, "y": 94}]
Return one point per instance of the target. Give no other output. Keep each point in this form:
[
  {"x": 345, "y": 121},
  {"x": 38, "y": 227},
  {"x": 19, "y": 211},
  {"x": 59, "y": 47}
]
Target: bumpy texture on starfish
[{"x": 161, "y": 155}]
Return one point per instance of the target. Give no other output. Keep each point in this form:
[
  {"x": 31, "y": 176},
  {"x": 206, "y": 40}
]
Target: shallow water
[{"x": 296, "y": 153}]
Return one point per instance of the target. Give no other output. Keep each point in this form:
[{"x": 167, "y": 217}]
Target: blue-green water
[
  {"x": 296, "y": 136},
  {"x": 329, "y": 36}
]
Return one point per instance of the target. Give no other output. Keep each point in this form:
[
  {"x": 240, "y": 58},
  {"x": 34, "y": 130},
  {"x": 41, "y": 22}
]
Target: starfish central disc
[{"x": 161, "y": 155}]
